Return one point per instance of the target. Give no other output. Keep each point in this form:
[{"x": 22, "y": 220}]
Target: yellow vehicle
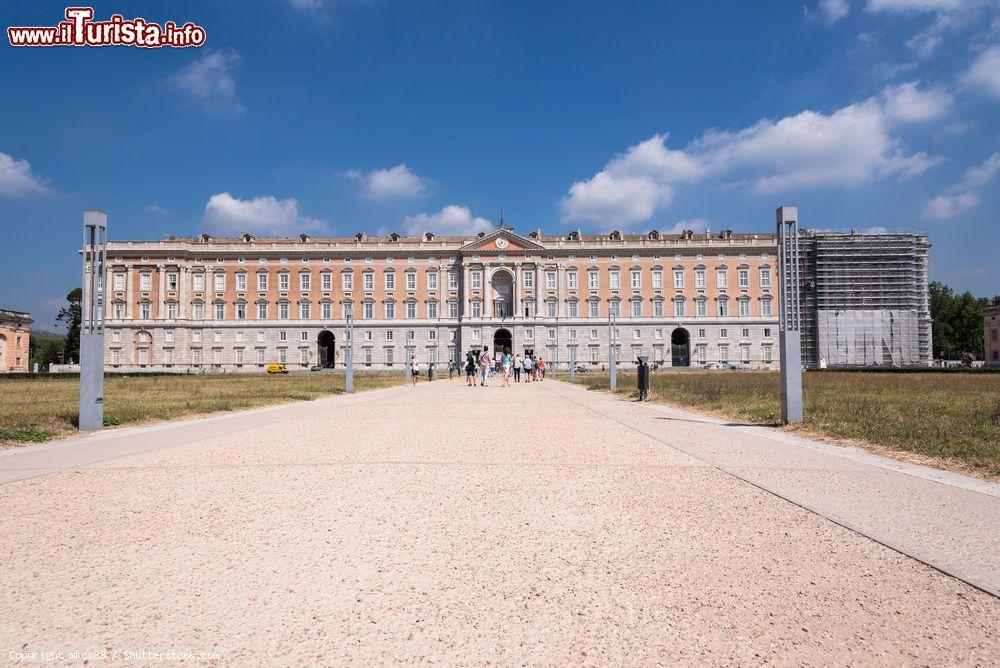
[{"x": 277, "y": 368}]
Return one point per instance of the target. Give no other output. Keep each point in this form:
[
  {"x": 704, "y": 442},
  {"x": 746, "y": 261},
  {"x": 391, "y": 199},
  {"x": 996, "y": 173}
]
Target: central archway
[
  {"x": 503, "y": 341},
  {"x": 502, "y": 283},
  {"x": 680, "y": 347},
  {"x": 327, "y": 349}
]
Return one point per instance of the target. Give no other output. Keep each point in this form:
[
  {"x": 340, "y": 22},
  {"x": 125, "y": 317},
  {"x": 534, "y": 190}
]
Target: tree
[
  {"x": 71, "y": 315},
  {"x": 957, "y": 322},
  {"x": 46, "y": 351}
]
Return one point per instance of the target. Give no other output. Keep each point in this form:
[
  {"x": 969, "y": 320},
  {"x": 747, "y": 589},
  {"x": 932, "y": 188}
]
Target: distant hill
[{"x": 44, "y": 334}]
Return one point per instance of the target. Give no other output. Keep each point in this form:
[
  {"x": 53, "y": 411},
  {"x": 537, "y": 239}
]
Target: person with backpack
[
  {"x": 518, "y": 364},
  {"x": 470, "y": 368},
  {"x": 485, "y": 360},
  {"x": 541, "y": 369},
  {"x": 414, "y": 368},
  {"x": 527, "y": 368}
]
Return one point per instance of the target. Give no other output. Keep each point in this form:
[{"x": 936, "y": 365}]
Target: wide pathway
[{"x": 538, "y": 524}]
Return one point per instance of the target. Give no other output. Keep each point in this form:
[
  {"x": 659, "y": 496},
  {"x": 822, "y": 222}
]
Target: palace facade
[
  {"x": 15, "y": 338},
  {"x": 237, "y": 304}
]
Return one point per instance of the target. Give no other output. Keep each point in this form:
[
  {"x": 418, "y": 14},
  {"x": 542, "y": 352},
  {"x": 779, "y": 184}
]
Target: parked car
[
  {"x": 316, "y": 367},
  {"x": 277, "y": 368},
  {"x": 579, "y": 368}
]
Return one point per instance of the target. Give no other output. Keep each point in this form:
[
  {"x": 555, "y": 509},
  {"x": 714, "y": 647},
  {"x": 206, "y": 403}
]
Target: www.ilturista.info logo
[{"x": 79, "y": 29}]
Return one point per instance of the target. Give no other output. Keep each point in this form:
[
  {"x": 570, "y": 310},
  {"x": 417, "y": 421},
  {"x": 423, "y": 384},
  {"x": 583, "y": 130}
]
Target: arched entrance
[
  {"x": 680, "y": 347},
  {"x": 327, "y": 349},
  {"x": 503, "y": 341},
  {"x": 502, "y": 283}
]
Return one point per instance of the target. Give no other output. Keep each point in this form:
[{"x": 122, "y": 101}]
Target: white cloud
[
  {"x": 984, "y": 73},
  {"x": 451, "y": 220},
  {"x": 963, "y": 196},
  {"x": 834, "y": 10},
  {"x": 209, "y": 80},
  {"x": 693, "y": 224},
  {"x": 265, "y": 215},
  {"x": 907, "y": 103},
  {"x": 398, "y": 181},
  {"x": 847, "y": 147},
  {"x": 17, "y": 179},
  {"x": 914, "y": 6},
  {"x": 155, "y": 208}
]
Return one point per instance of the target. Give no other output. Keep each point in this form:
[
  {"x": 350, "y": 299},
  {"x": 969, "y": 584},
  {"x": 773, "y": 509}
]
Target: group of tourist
[{"x": 481, "y": 365}]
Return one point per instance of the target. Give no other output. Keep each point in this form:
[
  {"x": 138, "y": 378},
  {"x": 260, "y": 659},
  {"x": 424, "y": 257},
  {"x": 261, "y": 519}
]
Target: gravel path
[{"x": 523, "y": 525}]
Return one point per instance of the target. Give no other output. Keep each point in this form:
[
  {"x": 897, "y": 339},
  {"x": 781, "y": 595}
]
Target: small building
[
  {"x": 14, "y": 337},
  {"x": 991, "y": 336}
]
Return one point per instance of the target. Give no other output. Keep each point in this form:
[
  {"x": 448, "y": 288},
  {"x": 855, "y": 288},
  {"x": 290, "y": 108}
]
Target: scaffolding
[{"x": 865, "y": 299}]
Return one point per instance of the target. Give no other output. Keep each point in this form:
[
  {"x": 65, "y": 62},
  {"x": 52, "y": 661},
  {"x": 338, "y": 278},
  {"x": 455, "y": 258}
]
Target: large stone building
[
  {"x": 15, "y": 335},
  {"x": 237, "y": 304},
  {"x": 991, "y": 335}
]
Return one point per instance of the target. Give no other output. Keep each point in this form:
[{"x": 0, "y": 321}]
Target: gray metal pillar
[
  {"x": 349, "y": 374},
  {"x": 95, "y": 241},
  {"x": 409, "y": 365},
  {"x": 790, "y": 314},
  {"x": 613, "y": 355}
]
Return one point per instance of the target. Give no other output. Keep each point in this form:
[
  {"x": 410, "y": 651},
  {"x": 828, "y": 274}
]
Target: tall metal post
[
  {"x": 612, "y": 340},
  {"x": 95, "y": 241},
  {"x": 408, "y": 364},
  {"x": 349, "y": 375},
  {"x": 790, "y": 314}
]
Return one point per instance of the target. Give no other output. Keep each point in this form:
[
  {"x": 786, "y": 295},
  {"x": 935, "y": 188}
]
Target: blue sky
[{"x": 335, "y": 116}]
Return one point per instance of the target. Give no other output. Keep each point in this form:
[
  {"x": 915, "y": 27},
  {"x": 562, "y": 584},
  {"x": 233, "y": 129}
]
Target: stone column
[
  {"x": 128, "y": 292},
  {"x": 162, "y": 282},
  {"x": 182, "y": 277},
  {"x": 466, "y": 295},
  {"x": 442, "y": 291},
  {"x": 538, "y": 288},
  {"x": 487, "y": 294}
]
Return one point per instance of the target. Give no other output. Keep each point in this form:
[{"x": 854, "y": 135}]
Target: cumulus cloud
[
  {"x": 834, "y": 10},
  {"x": 264, "y": 216},
  {"x": 451, "y": 220},
  {"x": 398, "y": 181},
  {"x": 209, "y": 81},
  {"x": 844, "y": 148},
  {"x": 17, "y": 179},
  {"x": 693, "y": 224},
  {"x": 963, "y": 196},
  {"x": 984, "y": 73},
  {"x": 914, "y": 6}
]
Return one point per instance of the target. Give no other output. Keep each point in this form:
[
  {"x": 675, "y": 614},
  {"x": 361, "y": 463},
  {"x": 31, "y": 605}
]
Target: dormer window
[
  {"x": 247, "y": 238},
  {"x": 574, "y": 235},
  {"x": 428, "y": 236},
  {"x": 615, "y": 236},
  {"x": 303, "y": 238},
  {"x": 360, "y": 237}
]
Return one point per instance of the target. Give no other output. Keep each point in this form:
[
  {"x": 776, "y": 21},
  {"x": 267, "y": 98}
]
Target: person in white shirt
[{"x": 414, "y": 369}]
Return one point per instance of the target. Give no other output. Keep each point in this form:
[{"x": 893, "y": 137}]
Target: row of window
[
  {"x": 410, "y": 278},
  {"x": 263, "y": 310}
]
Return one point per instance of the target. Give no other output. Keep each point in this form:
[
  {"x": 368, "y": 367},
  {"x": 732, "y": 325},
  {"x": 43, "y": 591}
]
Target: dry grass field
[
  {"x": 39, "y": 408},
  {"x": 953, "y": 418}
]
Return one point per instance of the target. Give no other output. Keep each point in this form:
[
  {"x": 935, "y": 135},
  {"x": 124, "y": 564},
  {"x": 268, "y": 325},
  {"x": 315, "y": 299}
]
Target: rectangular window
[
  {"x": 572, "y": 335},
  {"x": 550, "y": 280},
  {"x": 701, "y": 333},
  {"x": 262, "y": 282},
  {"x": 453, "y": 280},
  {"x": 721, "y": 278},
  {"x": 282, "y": 355},
  {"x": 658, "y": 308},
  {"x": 550, "y": 309},
  {"x": 432, "y": 281},
  {"x": 572, "y": 278},
  {"x": 171, "y": 310},
  {"x": 389, "y": 335},
  {"x": 723, "y": 333},
  {"x": 347, "y": 280},
  {"x": 765, "y": 307},
  {"x": 145, "y": 281},
  {"x": 168, "y": 356},
  {"x": 116, "y": 356},
  {"x": 477, "y": 280},
  {"x": 262, "y": 311},
  {"x": 432, "y": 310},
  {"x": 573, "y": 309},
  {"x": 390, "y": 280},
  {"x": 678, "y": 278},
  {"x": 744, "y": 308},
  {"x": 432, "y": 335},
  {"x": 239, "y": 337},
  {"x": 552, "y": 335},
  {"x": 172, "y": 282},
  {"x": 326, "y": 310},
  {"x": 593, "y": 335},
  {"x": 477, "y": 309},
  {"x": 390, "y": 310},
  {"x": 657, "y": 278},
  {"x": 767, "y": 354},
  {"x": 411, "y": 280},
  {"x": 283, "y": 311},
  {"x": 168, "y": 336},
  {"x": 765, "y": 278},
  {"x": 217, "y": 336},
  {"x": 678, "y": 308},
  {"x": 699, "y": 278},
  {"x": 615, "y": 279},
  {"x": 723, "y": 353},
  {"x": 452, "y": 309},
  {"x": 745, "y": 332},
  {"x": 239, "y": 355},
  {"x": 615, "y": 307},
  {"x": 241, "y": 282},
  {"x": 199, "y": 311},
  {"x": 411, "y": 335},
  {"x": 389, "y": 355},
  {"x": 241, "y": 311},
  {"x": 220, "y": 281},
  {"x": 198, "y": 282},
  {"x": 283, "y": 281},
  {"x": 593, "y": 279},
  {"x": 119, "y": 281},
  {"x": 305, "y": 310},
  {"x": 529, "y": 334},
  {"x": 216, "y": 356},
  {"x": 119, "y": 310},
  {"x": 744, "y": 353},
  {"x": 636, "y": 279},
  {"x": 368, "y": 311},
  {"x": 744, "y": 277},
  {"x": 411, "y": 310},
  {"x": 767, "y": 332},
  {"x": 636, "y": 309},
  {"x": 723, "y": 306},
  {"x": 636, "y": 333},
  {"x": 305, "y": 281},
  {"x": 220, "y": 311},
  {"x": 261, "y": 336},
  {"x": 326, "y": 281},
  {"x": 369, "y": 280},
  {"x": 303, "y": 336},
  {"x": 593, "y": 308},
  {"x": 303, "y": 356},
  {"x": 701, "y": 307},
  {"x": 260, "y": 356},
  {"x": 282, "y": 335}
]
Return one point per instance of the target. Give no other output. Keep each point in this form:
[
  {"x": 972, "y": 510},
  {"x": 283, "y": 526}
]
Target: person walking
[
  {"x": 505, "y": 364},
  {"x": 541, "y": 369},
  {"x": 414, "y": 368},
  {"x": 485, "y": 360},
  {"x": 527, "y": 368},
  {"x": 470, "y": 369},
  {"x": 517, "y": 368},
  {"x": 451, "y": 369}
]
